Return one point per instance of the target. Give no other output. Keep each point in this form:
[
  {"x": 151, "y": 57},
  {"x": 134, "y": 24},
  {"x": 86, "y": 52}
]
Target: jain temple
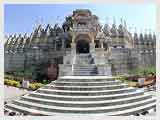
[{"x": 88, "y": 56}]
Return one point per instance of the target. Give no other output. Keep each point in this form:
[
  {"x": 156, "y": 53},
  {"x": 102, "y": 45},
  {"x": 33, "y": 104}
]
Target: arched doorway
[{"x": 82, "y": 46}]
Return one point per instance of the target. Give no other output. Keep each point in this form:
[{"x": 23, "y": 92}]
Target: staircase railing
[{"x": 73, "y": 62}]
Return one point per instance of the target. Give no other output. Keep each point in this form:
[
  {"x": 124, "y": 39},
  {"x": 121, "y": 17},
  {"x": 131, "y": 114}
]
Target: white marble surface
[
  {"x": 86, "y": 77},
  {"x": 12, "y": 93}
]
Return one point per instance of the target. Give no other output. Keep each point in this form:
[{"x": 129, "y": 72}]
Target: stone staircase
[
  {"x": 84, "y": 95},
  {"x": 84, "y": 70},
  {"x": 82, "y": 59},
  {"x": 84, "y": 65}
]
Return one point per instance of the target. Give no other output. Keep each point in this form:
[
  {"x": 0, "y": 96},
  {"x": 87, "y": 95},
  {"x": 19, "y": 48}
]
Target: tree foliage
[{"x": 144, "y": 71}]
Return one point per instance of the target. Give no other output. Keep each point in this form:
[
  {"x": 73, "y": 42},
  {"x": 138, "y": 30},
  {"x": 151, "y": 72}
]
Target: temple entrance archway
[{"x": 82, "y": 46}]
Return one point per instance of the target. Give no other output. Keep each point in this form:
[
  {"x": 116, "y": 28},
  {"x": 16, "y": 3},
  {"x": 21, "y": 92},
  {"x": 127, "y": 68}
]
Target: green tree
[{"x": 144, "y": 71}]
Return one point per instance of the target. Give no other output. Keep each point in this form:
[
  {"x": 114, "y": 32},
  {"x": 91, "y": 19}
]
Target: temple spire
[
  {"x": 121, "y": 21},
  {"x": 125, "y": 24},
  {"x": 114, "y": 21}
]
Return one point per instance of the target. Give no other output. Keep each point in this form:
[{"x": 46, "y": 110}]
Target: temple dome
[
  {"x": 120, "y": 31},
  {"x": 114, "y": 30},
  {"x": 106, "y": 30}
]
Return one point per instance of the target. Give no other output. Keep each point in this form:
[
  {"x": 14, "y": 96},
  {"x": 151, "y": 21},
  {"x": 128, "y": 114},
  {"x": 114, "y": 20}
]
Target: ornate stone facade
[{"x": 81, "y": 33}]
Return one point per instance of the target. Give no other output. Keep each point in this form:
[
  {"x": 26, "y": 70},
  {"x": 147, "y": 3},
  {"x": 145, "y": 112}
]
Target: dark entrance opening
[{"x": 82, "y": 46}]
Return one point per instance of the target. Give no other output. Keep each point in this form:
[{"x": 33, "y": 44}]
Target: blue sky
[{"x": 22, "y": 18}]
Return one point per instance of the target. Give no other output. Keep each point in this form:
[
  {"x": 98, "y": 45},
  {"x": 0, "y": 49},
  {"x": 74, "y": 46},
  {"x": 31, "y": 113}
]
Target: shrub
[
  {"x": 45, "y": 81},
  {"x": 144, "y": 71},
  {"x": 12, "y": 83},
  {"x": 32, "y": 86},
  {"x": 122, "y": 78},
  {"x": 35, "y": 86}
]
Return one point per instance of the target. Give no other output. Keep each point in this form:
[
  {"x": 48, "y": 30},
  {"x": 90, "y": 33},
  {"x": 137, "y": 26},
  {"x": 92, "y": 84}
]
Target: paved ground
[{"x": 12, "y": 93}]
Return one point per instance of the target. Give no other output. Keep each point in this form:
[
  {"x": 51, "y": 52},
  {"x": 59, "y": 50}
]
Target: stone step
[
  {"x": 85, "y": 103},
  {"x": 33, "y": 111},
  {"x": 84, "y": 70},
  {"x": 81, "y": 71},
  {"x": 65, "y": 87},
  {"x": 85, "y": 83},
  {"x": 28, "y": 111},
  {"x": 115, "y": 108},
  {"x": 91, "y": 82},
  {"x": 86, "y": 78},
  {"x": 84, "y": 92},
  {"x": 85, "y": 74},
  {"x": 133, "y": 110},
  {"x": 84, "y": 67},
  {"x": 85, "y": 98}
]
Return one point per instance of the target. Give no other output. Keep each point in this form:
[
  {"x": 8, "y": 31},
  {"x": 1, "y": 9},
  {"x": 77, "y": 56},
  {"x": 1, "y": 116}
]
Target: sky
[{"x": 23, "y": 18}]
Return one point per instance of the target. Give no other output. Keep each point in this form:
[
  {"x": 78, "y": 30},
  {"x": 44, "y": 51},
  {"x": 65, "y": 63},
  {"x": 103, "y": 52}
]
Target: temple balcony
[
  {"x": 82, "y": 28},
  {"x": 82, "y": 17}
]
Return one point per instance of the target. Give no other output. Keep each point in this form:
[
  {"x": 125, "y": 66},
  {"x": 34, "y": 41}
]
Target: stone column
[
  {"x": 92, "y": 48},
  {"x": 92, "y": 45},
  {"x": 63, "y": 44},
  {"x": 101, "y": 43},
  {"x": 73, "y": 48},
  {"x": 73, "y": 45}
]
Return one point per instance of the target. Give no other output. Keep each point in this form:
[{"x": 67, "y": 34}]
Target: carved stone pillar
[
  {"x": 63, "y": 44},
  {"x": 92, "y": 48},
  {"x": 73, "y": 45},
  {"x": 101, "y": 43},
  {"x": 92, "y": 44},
  {"x": 73, "y": 48}
]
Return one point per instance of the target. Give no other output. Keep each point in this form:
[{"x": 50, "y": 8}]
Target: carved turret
[
  {"x": 141, "y": 37},
  {"x": 106, "y": 30},
  {"x": 146, "y": 37},
  {"x": 47, "y": 30},
  {"x": 150, "y": 36},
  {"x": 114, "y": 29},
  {"x": 120, "y": 31},
  {"x": 135, "y": 37}
]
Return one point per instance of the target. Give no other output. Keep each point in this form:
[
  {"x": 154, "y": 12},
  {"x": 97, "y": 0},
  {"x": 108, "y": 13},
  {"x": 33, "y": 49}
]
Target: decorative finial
[
  {"x": 114, "y": 20},
  {"x": 121, "y": 21},
  {"x": 57, "y": 19},
  {"x": 154, "y": 33},
  {"x": 125, "y": 24},
  {"x": 36, "y": 24},
  {"x": 25, "y": 35}
]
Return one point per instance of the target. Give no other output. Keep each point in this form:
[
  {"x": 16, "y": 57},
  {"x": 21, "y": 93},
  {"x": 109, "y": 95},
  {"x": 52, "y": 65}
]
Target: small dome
[
  {"x": 113, "y": 30},
  {"x": 120, "y": 30},
  {"x": 141, "y": 37},
  {"x": 135, "y": 37},
  {"x": 106, "y": 30}
]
